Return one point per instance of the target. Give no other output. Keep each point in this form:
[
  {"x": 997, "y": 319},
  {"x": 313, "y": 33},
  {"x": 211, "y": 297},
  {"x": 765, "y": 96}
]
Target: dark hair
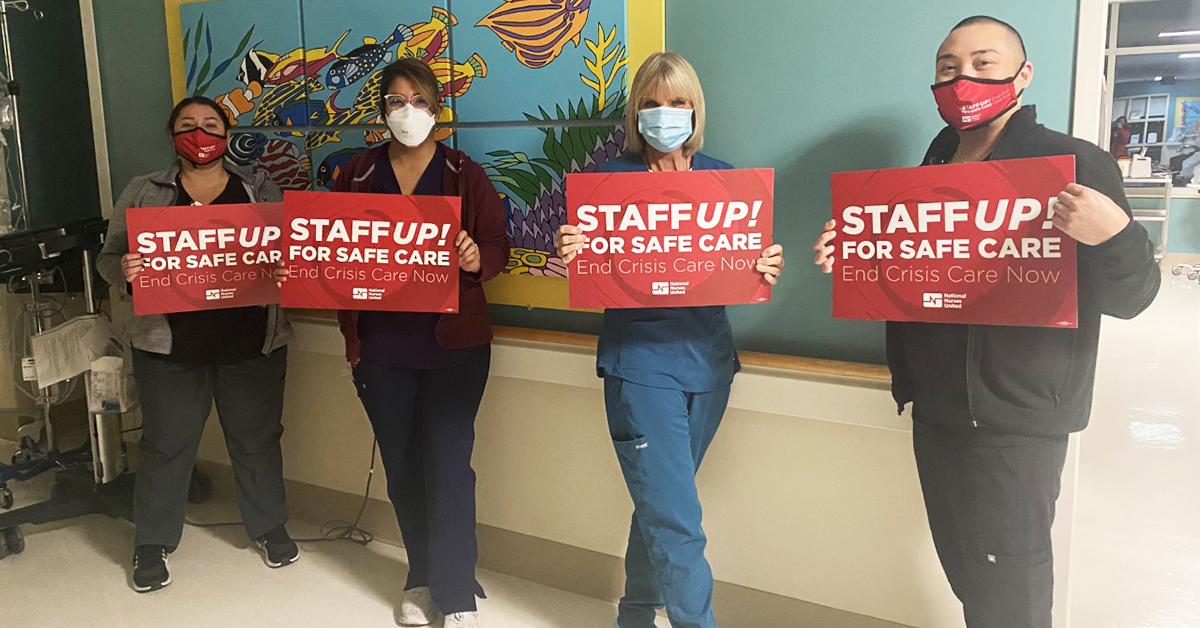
[
  {"x": 987, "y": 19},
  {"x": 196, "y": 100},
  {"x": 415, "y": 72}
]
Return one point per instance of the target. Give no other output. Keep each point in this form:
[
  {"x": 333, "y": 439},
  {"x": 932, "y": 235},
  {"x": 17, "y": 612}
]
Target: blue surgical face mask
[{"x": 665, "y": 128}]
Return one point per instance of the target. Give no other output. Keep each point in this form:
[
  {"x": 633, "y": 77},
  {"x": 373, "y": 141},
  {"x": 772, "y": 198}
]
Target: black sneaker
[
  {"x": 279, "y": 550},
  {"x": 150, "y": 568}
]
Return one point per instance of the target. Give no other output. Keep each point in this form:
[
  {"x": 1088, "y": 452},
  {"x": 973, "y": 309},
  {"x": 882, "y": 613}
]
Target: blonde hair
[{"x": 679, "y": 77}]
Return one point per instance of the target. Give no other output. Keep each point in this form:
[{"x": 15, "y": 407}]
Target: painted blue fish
[
  {"x": 332, "y": 165},
  {"x": 361, "y": 61}
]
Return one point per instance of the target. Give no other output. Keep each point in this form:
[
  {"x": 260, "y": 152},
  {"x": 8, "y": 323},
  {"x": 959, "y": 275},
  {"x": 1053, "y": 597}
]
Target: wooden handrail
[{"x": 812, "y": 366}]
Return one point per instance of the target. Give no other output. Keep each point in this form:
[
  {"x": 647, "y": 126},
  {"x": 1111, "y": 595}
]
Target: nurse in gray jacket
[{"x": 183, "y": 362}]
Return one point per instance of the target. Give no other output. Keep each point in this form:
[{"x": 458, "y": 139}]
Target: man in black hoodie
[{"x": 993, "y": 405}]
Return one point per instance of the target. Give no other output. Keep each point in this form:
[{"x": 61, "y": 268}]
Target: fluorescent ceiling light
[
  {"x": 1190, "y": 55},
  {"x": 1179, "y": 34},
  {"x": 1158, "y": 78}
]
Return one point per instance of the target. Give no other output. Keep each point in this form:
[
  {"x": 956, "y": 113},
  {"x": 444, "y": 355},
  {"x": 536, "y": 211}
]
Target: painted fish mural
[
  {"x": 285, "y": 164},
  {"x": 299, "y": 63},
  {"x": 246, "y": 148},
  {"x": 365, "y": 106},
  {"x": 363, "y": 60},
  {"x": 255, "y": 66},
  {"x": 430, "y": 39},
  {"x": 536, "y": 31},
  {"x": 456, "y": 78},
  {"x": 287, "y": 104},
  {"x": 332, "y": 165}
]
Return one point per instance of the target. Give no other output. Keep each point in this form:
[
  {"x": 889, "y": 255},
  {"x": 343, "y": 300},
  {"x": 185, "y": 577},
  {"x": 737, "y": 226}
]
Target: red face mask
[
  {"x": 199, "y": 146},
  {"x": 967, "y": 103}
]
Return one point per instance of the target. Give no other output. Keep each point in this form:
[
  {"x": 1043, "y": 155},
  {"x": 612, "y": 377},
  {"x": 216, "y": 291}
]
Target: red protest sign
[
  {"x": 388, "y": 252},
  {"x": 960, "y": 243},
  {"x": 670, "y": 239},
  {"x": 204, "y": 257}
]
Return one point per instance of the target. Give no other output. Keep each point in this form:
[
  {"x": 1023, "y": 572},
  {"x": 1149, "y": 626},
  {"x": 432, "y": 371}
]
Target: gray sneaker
[
  {"x": 462, "y": 620},
  {"x": 417, "y": 608}
]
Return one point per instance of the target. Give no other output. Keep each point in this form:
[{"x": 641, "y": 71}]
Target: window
[{"x": 1153, "y": 74}]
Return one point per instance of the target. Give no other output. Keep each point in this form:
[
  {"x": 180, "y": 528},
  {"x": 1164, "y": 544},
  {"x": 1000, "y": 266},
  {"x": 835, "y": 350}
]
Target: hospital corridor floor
[
  {"x": 1137, "y": 525},
  {"x": 76, "y": 574}
]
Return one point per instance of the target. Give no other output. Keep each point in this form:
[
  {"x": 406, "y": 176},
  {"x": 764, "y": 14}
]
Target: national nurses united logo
[
  {"x": 367, "y": 294},
  {"x": 944, "y": 300}
]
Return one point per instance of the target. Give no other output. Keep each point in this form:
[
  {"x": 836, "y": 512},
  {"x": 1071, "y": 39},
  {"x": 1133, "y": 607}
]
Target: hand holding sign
[
  {"x": 132, "y": 263},
  {"x": 281, "y": 273},
  {"x": 468, "y": 252},
  {"x": 1088, "y": 216},
  {"x": 771, "y": 263},
  {"x": 824, "y": 256},
  {"x": 569, "y": 241}
]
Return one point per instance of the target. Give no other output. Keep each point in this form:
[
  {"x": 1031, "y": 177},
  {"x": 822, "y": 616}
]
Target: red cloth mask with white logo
[
  {"x": 967, "y": 103},
  {"x": 199, "y": 146}
]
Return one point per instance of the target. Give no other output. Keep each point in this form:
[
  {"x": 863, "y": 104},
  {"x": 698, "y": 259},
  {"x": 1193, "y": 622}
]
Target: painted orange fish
[
  {"x": 456, "y": 78},
  {"x": 536, "y": 31},
  {"x": 430, "y": 39}
]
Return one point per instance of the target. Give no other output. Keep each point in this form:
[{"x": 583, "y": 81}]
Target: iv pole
[{"x": 19, "y": 5}]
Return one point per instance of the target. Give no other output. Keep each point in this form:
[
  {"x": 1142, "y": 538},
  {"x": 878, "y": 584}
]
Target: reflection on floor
[
  {"x": 1137, "y": 544},
  {"x": 76, "y": 574}
]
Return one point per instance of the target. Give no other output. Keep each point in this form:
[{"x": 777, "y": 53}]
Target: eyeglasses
[{"x": 396, "y": 101}]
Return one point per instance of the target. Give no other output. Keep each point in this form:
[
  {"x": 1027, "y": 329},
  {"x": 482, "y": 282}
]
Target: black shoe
[
  {"x": 150, "y": 568},
  {"x": 279, "y": 550}
]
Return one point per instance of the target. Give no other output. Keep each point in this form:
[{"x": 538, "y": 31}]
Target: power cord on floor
[{"x": 335, "y": 530}]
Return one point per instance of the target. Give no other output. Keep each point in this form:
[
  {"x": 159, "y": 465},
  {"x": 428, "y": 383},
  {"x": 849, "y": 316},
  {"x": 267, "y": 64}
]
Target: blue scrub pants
[
  {"x": 424, "y": 420},
  {"x": 661, "y": 435}
]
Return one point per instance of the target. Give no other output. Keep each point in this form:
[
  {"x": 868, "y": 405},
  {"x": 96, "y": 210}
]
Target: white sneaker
[
  {"x": 417, "y": 608},
  {"x": 462, "y": 620}
]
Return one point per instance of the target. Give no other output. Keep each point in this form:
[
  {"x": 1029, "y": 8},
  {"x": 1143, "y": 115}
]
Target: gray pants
[{"x": 176, "y": 400}]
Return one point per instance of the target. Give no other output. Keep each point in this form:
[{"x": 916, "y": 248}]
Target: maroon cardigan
[{"x": 483, "y": 218}]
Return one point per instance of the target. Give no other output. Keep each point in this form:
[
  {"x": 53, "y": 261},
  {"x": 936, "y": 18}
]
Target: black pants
[
  {"x": 176, "y": 400},
  {"x": 424, "y": 421},
  {"x": 990, "y": 510}
]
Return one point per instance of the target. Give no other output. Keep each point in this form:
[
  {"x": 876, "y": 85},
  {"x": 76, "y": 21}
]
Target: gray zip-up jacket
[{"x": 153, "y": 333}]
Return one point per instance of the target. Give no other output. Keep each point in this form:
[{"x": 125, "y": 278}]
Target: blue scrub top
[{"x": 683, "y": 348}]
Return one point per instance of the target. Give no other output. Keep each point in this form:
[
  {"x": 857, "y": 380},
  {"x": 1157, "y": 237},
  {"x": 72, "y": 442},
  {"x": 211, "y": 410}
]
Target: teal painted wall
[
  {"x": 56, "y": 120},
  {"x": 1184, "y": 233},
  {"x": 1184, "y": 230},
  {"x": 135, "y": 72},
  {"x": 808, "y": 88}
]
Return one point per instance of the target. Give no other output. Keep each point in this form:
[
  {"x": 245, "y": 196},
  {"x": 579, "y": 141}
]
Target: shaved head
[{"x": 1017, "y": 41}]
